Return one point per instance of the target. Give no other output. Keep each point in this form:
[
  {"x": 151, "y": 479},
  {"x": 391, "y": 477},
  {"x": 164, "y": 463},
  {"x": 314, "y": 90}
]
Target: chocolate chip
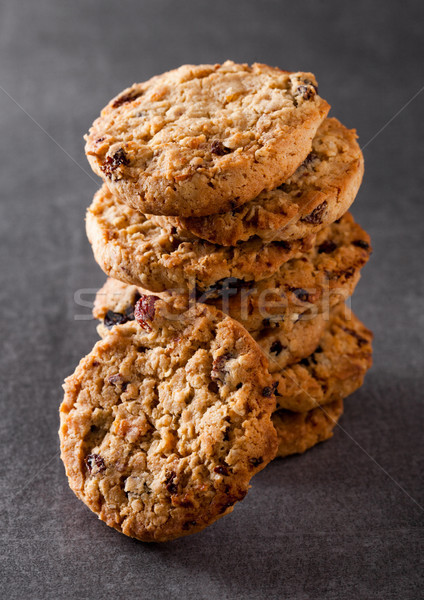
[
  {"x": 219, "y": 149},
  {"x": 144, "y": 311},
  {"x": 114, "y": 318},
  {"x": 276, "y": 347},
  {"x": 239, "y": 385},
  {"x": 255, "y": 462},
  {"x": 189, "y": 524},
  {"x": 327, "y": 247},
  {"x": 94, "y": 461},
  {"x": 315, "y": 217},
  {"x": 306, "y": 91},
  {"x": 361, "y": 244},
  {"x": 169, "y": 483},
  {"x": 113, "y": 162},
  {"x": 221, "y": 470},
  {"x": 219, "y": 371},
  {"x": 125, "y": 98}
]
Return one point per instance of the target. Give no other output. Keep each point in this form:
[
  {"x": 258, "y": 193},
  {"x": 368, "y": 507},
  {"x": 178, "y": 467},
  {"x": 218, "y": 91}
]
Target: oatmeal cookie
[
  {"x": 167, "y": 419},
  {"x": 204, "y": 139}
]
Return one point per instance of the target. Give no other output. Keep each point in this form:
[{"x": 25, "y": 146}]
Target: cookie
[
  {"x": 318, "y": 193},
  {"x": 205, "y": 139},
  {"x": 308, "y": 284},
  {"x": 336, "y": 369},
  {"x": 166, "y": 420},
  {"x": 132, "y": 247},
  {"x": 298, "y": 432},
  {"x": 286, "y": 344}
]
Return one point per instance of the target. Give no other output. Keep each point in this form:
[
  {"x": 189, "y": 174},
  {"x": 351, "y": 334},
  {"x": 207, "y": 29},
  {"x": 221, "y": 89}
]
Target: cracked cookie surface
[
  {"x": 318, "y": 193},
  {"x": 205, "y": 138},
  {"x": 166, "y": 420}
]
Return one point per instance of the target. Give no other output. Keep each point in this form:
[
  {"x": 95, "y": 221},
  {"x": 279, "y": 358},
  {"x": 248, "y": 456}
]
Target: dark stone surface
[{"x": 342, "y": 521}]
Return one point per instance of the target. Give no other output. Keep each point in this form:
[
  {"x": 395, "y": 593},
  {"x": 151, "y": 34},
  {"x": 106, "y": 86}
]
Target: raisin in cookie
[
  {"x": 285, "y": 344},
  {"x": 318, "y": 193},
  {"x": 205, "y": 139},
  {"x": 311, "y": 282},
  {"x": 132, "y": 247},
  {"x": 336, "y": 369},
  {"x": 298, "y": 432},
  {"x": 166, "y": 420}
]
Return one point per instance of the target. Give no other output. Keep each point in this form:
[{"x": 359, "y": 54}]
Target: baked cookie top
[
  {"x": 204, "y": 139},
  {"x": 318, "y": 193},
  {"x": 285, "y": 344},
  {"x": 298, "y": 432},
  {"x": 166, "y": 420},
  {"x": 336, "y": 369},
  {"x": 134, "y": 248}
]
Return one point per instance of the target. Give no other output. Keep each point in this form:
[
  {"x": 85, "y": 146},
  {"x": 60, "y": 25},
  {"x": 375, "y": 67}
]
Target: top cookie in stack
[{"x": 205, "y": 139}]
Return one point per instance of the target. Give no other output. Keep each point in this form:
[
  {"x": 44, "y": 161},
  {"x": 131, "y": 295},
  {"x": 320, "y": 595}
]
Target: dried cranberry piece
[
  {"x": 219, "y": 149},
  {"x": 315, "y": 218},
  {"x": 113, "y": 162},
  {"x": 144, "y": 311},
  {"x": 221, "y": 470},
  {"x": 327, "y": 247},
  {"x": 169, "y": 483},
  {"x": 361, "y": 244},
  {"x": 125, "y": 98},
  {"x": 93, "y": 461},
  {"x": 219, "y": 371}
]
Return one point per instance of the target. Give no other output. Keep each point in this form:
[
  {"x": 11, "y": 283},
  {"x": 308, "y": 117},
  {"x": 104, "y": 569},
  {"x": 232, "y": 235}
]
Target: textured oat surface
[
  {"x": 206, "y": 138},
  {"x": 318, "y": 193},
  {"x": 336, "y": 369},
  {"x": 167, "y": 419},
  {"x": 136, "y": 249},
  {"x": 285, "y": 344}
]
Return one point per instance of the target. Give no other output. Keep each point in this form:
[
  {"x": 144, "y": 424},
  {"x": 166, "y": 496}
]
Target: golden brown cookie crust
[
  {"x": 318, "y": 193},
  {"x": 206, "y": 138},
  {"x": 285, "y": 344},
  {"x": 163, "y": 424},
  {"x": 298, "y": 432},
  {"x": 136, "y": 249},
  {"x": 334, "y": 371}
]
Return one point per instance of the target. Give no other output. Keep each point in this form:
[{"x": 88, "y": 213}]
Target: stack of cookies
[{"x": 222, "y": 225}]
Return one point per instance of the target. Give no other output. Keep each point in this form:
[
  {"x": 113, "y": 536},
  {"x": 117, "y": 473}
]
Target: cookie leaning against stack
[{"x": 222, "y": 224}]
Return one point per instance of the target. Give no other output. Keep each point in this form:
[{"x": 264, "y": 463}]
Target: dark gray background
[{"x": 343, "y": 521}]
